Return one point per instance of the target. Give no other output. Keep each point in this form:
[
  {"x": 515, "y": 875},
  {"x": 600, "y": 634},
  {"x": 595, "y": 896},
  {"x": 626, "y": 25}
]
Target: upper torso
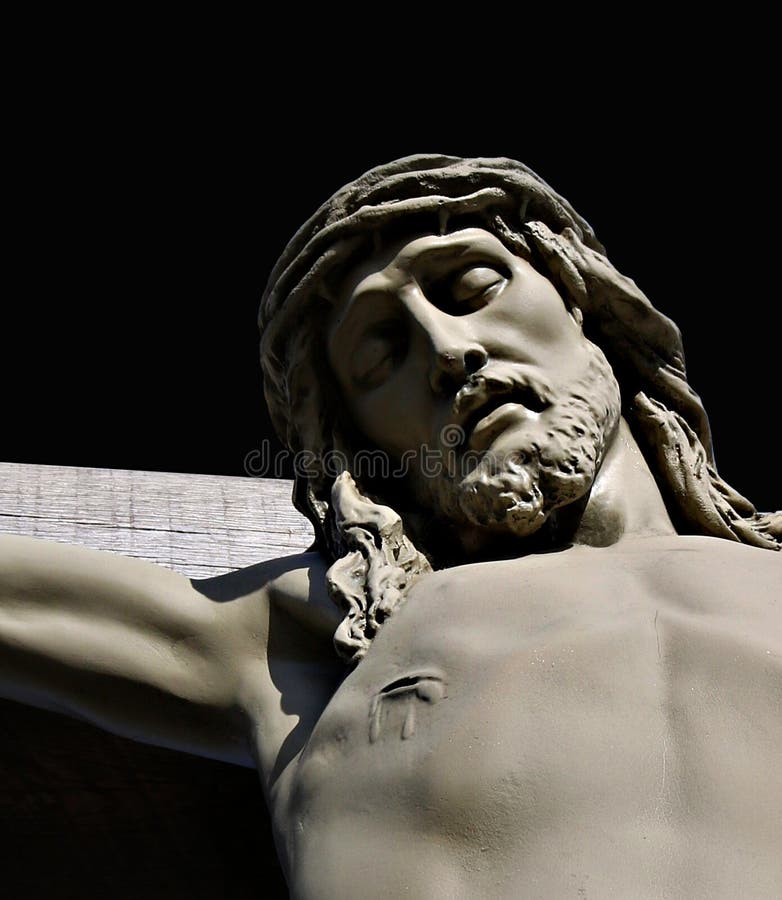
[{"x": 593, "y": 722}]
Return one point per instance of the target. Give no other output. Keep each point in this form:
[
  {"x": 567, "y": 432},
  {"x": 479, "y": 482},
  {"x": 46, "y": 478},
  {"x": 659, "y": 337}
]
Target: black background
[
  {"x": 148, "y": 218},
  {"x": 146, "y": 202}
]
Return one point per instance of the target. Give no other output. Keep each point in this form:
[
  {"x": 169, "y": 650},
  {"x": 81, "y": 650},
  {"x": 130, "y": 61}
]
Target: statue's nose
[
  {"x": 454, "y": 350},
  {"x": 453, "y": 364}
]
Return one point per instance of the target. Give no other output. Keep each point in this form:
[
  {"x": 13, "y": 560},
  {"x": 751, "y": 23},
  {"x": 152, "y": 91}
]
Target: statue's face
[{"x": 439, "y": 333}]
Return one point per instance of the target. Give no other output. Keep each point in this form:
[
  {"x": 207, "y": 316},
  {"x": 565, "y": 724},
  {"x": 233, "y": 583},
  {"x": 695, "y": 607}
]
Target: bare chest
[{"x": 508, "y": 702}]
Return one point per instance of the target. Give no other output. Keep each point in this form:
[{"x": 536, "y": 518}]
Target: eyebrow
[
  {"x": 462, "y": 247},
  {"x": 349, "y": 320}
]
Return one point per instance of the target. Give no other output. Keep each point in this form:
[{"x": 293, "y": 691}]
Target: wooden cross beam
[{"x": 84, "y": 814}]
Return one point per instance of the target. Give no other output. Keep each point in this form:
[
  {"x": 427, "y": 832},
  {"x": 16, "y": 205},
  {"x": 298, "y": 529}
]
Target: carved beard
[{"x": 553, "y": 464}]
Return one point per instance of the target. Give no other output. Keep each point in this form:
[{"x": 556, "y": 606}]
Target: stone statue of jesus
[{"x": 536, "y": 647}]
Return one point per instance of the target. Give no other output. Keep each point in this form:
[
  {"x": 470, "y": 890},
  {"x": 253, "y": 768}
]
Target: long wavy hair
[{"x": 377, "y": 551}]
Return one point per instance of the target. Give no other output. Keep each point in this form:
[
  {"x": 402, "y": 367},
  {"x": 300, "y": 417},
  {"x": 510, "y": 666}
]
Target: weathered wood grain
[
  {"x": 199, "y": 525},
  {"x": 88, "y": 815}
]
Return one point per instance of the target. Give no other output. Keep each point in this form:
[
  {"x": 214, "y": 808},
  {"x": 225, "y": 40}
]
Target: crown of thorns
[{"x": 501, "y": 194}]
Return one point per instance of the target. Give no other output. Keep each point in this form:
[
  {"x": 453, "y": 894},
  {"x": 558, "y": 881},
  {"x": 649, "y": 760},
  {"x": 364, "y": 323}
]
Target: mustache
[{"x": 495, "y": 384}]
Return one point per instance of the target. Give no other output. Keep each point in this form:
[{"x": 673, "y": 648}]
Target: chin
[
  {"x": 517, "y": 497},
  {"x": 536, "y": 468}
]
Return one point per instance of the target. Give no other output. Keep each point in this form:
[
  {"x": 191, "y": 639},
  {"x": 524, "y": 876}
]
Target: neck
[{"x": 624, "y": 501}]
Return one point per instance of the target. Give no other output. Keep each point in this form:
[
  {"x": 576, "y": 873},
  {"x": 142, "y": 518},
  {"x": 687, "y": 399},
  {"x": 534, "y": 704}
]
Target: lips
[
  {"x": 493, "y": 424},
  {"x": 486, "y": 421}
]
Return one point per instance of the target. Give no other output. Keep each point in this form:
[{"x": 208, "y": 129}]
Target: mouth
[{"x": 484, "y": 422}]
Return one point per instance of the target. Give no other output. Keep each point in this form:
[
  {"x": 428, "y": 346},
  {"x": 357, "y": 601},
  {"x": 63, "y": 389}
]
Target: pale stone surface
[{"x": 559, "y": 655}]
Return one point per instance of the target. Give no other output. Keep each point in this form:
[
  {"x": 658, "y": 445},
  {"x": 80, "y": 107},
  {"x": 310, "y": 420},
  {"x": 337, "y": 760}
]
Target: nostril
[
  {"x": 453, "y": 366},
  {"x": 474, "y": 360}
]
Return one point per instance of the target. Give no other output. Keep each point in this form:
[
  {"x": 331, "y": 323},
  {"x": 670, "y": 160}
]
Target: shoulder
[
  {"x": 293, "y": 585},
  {"x": 715, "y": 578},
  {"x": 697, "y": 549},
  {"x": 714, "y": 561},
  {"x": 725, "y": 555}
]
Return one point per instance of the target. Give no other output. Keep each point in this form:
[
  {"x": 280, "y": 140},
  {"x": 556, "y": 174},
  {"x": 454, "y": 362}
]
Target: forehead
[{"x": 400, "y": 258}]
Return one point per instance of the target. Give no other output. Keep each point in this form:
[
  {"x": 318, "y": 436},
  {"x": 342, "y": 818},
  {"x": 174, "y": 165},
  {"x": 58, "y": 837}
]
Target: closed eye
[
  {"x": 476, "y": 282},
  {"x": 468, "y": 290},
  {"x": 377, "y": 354}
]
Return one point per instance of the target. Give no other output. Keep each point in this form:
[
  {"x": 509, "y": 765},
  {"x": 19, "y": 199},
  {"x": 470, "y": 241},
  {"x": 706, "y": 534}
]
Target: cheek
[
  {"x": 400, "y": 414},
  {"x": 536, "y": 326},
  {"x": 393, "y": 420}
]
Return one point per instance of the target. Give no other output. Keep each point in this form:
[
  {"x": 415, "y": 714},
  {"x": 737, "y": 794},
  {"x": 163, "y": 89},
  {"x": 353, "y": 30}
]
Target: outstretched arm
[{"x": 142, "y": 651}]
